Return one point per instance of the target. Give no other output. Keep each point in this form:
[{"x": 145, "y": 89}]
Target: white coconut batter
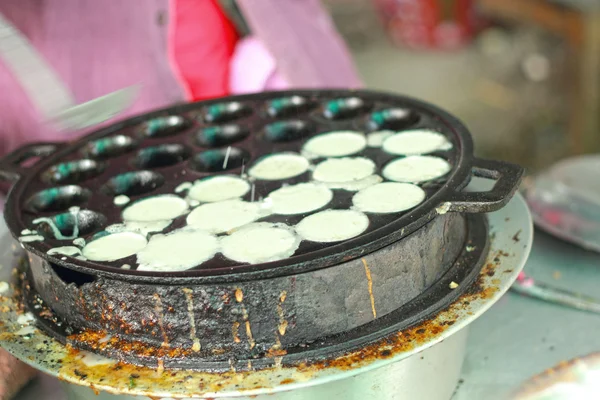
[
  {"x": 218, "y": 188},
  {"x": 260, "y": 242},
  {"x": 332, "y": 225},
  {"x": 177, "y": 251},
  {"x": 345, "y": 169},
  {"x": 31, "y": 238},
  {"x": 335, "y": 144},
  {"x": 388, "y": 197},
  {"x": 114, "y": 246},
  {"x": 183, "y": 187},
  {"x": 156, "y": 208},
  {"x": 416, "y": 169},
  {"x": 415, "y": 142},
  {"x": 299, "y": 199},
  {"x": 279, "y": 166},
  {"x": 65, "y": 250},
  {"x": 376, "y": 139},
  {"x": 121, "y": 200},
  {"x": 143, "y": 228},
  {"x": 354, "y": 186},
  {"x": 225, "y": 215}
]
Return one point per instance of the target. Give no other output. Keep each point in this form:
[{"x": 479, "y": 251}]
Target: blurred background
[{"x": 522, "y": 74}]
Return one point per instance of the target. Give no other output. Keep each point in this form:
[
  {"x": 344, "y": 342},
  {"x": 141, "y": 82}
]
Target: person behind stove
[{"x": 176, "y": 50}]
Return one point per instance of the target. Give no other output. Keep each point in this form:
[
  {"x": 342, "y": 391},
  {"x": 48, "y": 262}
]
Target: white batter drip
[
  {"x": 343, "y": 169},
  {"x": 114, "y": 246},
  {"x": 414, "y": 169},
  {"x": 31, "y": 238},
  {"x": 279, "y": 166},
  {"x": 335, "y": 144},
  {"x": 225, "y": 215},
  {"x": 415, "y": 142},
  {"x": 376, "y": 139},
  {"x": 388, "y": 197},
  {"x": 260, "y": 242},
  {"x": 177, "y": 251},
  {"x": 156, "y": 208},
  {"x": 121, "y": 200},
  {"x": 65, "y": 250},
  {"x": 218, "y": 188},
  {"x": 299, "y": 199},
  {"x": 332, "y": 225}
]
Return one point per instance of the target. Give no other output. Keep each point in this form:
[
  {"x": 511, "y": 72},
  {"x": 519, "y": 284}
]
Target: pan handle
[
  {"x": 11, "y": 165},
  {"x": 507, "y": 176}
]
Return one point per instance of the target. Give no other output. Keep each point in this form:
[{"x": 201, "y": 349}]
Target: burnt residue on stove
[
  {"x": 120, "y": 377},
  {"x": 428, "y": 331}
]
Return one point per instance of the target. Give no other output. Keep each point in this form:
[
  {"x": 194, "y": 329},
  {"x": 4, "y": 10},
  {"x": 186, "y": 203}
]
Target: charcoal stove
[{"x": 223, "y": 328}]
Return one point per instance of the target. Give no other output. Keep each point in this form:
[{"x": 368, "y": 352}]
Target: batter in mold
[
  {"x": 335, "y": 144},
  {"x": 260, "y": 242},
  {"x": 388, "y": 197},
  {"x": 279, "y": 166},
  {"x": 177, "y": 251},
  {"x": 114, "y": 246},
  {"x": 299, "y": 199},
  {"x": 341, "y": 170},
  {"x": 332, "y": 225},
  {"x": 156, "y": 208},
  {"x": 225, "y": 215},
  {"x": 218, "y": 188},
  {"x": 415, "y": 169},
  {"x": 416, "y": 142}
]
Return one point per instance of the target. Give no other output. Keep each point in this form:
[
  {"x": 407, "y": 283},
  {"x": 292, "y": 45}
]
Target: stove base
[{"x": 432, "y": 374}]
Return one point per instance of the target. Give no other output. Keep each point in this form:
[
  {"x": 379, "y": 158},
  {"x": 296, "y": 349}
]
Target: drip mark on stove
[
  {"x": 235, "y": 331},
  {"x": 278, "y": 362},
  {"x": 190, "y": 306},
  {"x": 370, "y": 282},
  {"x": 239, "y": 295},
  {"x": 283, "y": 324},
  {"x": 251, "y": 341},
  {"x": 159, "y": 313}
]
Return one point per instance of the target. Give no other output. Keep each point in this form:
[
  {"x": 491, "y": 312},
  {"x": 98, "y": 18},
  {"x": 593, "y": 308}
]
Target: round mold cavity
[
  {"x": 108, "y": 147},
  {"x": 133, "y": 183},
  {"x": 226, "y": 112},
  {"x": 288, "y": 131},
  {"x": 58, "y": 199},
  {"x": 161, "y": 156},
  {"x": 349, "y": 107},
  {"x": 70, "y": 225},
  {"x": 289, "y": 106},
  {"x": 165, "y": 126},
  {"x": 217, "y": 136},
  {"x": 73, "y": 171},
  {"x": 393, "y": 119},
  {"x": 220, "y": 159}
]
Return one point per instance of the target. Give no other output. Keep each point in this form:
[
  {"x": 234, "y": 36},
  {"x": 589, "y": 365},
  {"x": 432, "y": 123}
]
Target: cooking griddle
[{"x": 154, "y": 153}]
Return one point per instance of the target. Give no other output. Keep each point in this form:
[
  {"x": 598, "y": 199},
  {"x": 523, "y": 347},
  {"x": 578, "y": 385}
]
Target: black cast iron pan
[{"x": 188, "y": 142}]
